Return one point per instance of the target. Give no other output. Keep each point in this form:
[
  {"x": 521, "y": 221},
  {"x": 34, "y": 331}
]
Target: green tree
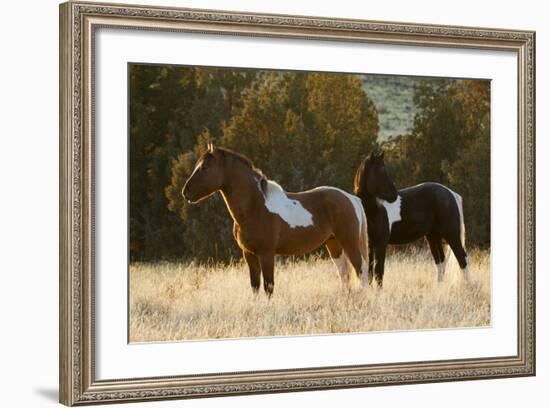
[
  {"x": 450, "y": 144},
  {"x": 170, "y": 107},
  {"x": 157, "y": 99},
  {"x": 287, "y": 124},
  {"x": 348, "y": 122},
  {"x": 293, "y": 126},
  {"x": 470, "y": 173}
]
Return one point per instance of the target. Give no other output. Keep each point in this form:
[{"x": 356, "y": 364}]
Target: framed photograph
[{"x": 256, "y": 203}]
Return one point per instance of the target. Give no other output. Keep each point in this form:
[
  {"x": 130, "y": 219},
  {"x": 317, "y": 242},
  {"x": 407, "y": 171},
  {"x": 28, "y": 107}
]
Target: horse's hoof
[{"x": 268, "y": 288}]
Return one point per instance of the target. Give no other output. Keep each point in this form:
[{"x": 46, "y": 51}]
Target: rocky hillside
[{"x": 393, "y": 97}]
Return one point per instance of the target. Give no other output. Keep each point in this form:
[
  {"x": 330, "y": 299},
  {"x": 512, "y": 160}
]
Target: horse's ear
[
  {"x": 381, "y": 156},
  {"x": 372, "y": 156}
]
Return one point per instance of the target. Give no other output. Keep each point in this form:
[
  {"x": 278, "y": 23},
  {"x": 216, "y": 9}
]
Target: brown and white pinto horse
[{"x": 270, "y": 221}]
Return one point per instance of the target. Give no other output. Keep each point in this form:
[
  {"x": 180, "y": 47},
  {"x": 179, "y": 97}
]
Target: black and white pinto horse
[{"x": 428, "y": 210}]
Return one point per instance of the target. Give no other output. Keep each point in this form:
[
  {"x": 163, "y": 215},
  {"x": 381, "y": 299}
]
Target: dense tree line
[
  {"x": 450, "y": 143},
  {"x": 302, "y": 129}
]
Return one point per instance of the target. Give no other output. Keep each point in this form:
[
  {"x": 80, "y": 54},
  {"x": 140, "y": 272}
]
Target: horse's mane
[
  {"x": 241, "y": 158},
  {"x": 360, "y": 180}
]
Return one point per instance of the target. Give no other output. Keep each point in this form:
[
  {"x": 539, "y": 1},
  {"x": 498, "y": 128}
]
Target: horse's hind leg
[
  {"x": 340, "y": 260},
  {"x": 356, "y": 259},
  {"x": 460, "y": 254},
  {"x": 436, "y": 247}
]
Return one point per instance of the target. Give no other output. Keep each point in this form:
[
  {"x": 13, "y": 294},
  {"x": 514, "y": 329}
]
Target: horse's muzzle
[
  {"x": 189, "y": 196},
  {"x": 185, "y": 194}
]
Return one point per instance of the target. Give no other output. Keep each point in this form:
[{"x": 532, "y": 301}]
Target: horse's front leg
[
  {"x": 371, "y": 262},
  {"x": 380, "y": 254},
  {"x": 267, "y": 261},
  {"x": 254, "y": 268}
]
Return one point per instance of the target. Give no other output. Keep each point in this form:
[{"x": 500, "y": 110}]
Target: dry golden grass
[{"x": 177, "y": 301}]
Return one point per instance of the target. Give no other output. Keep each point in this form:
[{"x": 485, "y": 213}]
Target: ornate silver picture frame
[{"x": 79, "y": 22}]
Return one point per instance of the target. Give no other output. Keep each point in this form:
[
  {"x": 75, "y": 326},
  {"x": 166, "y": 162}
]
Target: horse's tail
[
  {"x": 462, "y": 226},
  {"x": 458, "y": 199}
]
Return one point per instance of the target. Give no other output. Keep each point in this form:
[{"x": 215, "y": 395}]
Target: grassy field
[{"x": 177, "y": 301}]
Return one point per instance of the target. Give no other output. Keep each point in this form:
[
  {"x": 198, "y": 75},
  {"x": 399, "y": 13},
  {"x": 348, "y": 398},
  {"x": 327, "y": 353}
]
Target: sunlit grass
[{"x": 180, "y": 301}]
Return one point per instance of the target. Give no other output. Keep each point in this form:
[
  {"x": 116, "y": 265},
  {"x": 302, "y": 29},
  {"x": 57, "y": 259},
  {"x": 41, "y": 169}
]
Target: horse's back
[
  {"x": 430, "y": 194},
  {"x": 332, "y": 210},
  {"x": 431, "y": 204},
  {"x": 332, "y": 202}
]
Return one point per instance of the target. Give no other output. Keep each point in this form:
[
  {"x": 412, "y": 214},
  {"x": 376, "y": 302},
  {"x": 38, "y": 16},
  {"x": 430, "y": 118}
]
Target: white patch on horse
[
  {"x": 343, "y": 265},
  {"x": 355, "y": 201},
  {"x": 291, "y": 211},
  {"x": 393, "y": 210}
]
